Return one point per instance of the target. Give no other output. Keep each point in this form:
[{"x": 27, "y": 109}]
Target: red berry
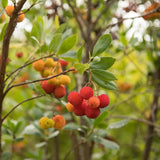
[
  {"x": 19, "y": 54},
  {"x": 48, "y": 88},
  {"x": 92, "y": 113},
  {"x": 104, "y": 100},
  {"x": 75, "y": 98},
  {"x": 86, "y": 92},
  {"x": 94, "y": 102},
  {"x": 80, "y": 110},
  {"x": 59, "y": 92},
  {"x": 63, "y": 63}
]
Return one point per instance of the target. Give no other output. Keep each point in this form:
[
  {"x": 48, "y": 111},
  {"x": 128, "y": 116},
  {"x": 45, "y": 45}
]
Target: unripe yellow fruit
[
  {"x": 64, "y": 79},
  {"x": 42, "y": 122},
  {"x": 46, "y": 73},
  {"x": 49, "y": 123},
  {"x": 49, "y": 62},
  {"x": 55, "y": 81},
  {"x": 38, "y": 65}
]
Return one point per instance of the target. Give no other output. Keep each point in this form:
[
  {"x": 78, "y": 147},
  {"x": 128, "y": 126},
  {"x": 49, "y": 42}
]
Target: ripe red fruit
[
  {"x": 59, "y": 91},
  {"x": 86, "y": 92},
  {"x": 75, "y": 98},
  {"x": 80, "y": 110},
  {"x": 48, "y": 88},
  {"x": 104, "y": 100},
  {"x": 19, "y": 54},
  {"x": 92, "y": 113},
  {"x": 94, "y": 102},
  {"x": 63, "y": 63}
]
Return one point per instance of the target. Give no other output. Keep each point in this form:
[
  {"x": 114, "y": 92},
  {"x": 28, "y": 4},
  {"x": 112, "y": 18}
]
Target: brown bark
[
  {"x": 154, "y": 109},
  {"x": 5, "y": 50}
]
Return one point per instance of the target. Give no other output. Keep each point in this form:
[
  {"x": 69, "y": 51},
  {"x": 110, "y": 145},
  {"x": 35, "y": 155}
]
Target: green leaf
[
  {"x": 4, "y": 3},
  {"x": 100, "y": 118},
  {"x": 103, "y": 75},
  {"x": 106, "y": 143},
  {"x": 104, "y": 84},
  {"x": 118, "y": 124},
  {"x": 61, "y": 28},
  {"x": 55, "y": 42},
  {"x": 41, "y": 144},
  {"x": 6, "y": 155},
  {"x": 71, "y": 126},
  {"x": 67, "y": 44},
  {"x": 102, "y": 44},
  {"x": 123, "y": 40},
  {"x": 17, "y": 127},
  {"x": 54, "y": 134},
  {"x": 81, "y": 67},
  {"x": 3, "y": 31},
  {"x": 104, "y": 63},
  {"x": 79, "y": 54},
  {"x": 69, "y": 56}
]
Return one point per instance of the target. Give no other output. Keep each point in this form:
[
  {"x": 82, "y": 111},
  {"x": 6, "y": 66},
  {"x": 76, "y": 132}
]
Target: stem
[{"x": 56, "y": 148}]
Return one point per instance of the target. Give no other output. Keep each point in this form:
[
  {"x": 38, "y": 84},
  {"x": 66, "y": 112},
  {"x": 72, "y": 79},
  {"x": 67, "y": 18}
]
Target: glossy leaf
[
  {"x": 104, "y": 84},
  {"x": 100, "y": 118},
  {"x": 4, "y": 3},
  {"x": 79, "y": 54},
  {"x": 55, "y": 42},
  {"x": 103, "y": 75},
  {"x": 81, "y": 67},
  {"x": 3, "y": 31},
  {"x": 102, "y": 44},
  {"x": 104, "y": 63},
  {"x": 67, "y": 44},
  {"x": 71, "y": 126}
]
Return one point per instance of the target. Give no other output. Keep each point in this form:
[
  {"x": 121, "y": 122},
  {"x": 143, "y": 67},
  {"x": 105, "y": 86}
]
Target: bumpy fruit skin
[
  {"x": 75, "y": 98},
  {"x": 64, "y": 79},
  {"x": 86, "y": 92},
  {"x": 80, "y": 110},
  {"x": 94, "y": 102},
  {"x": 104, "y": 100},
  {"x": 55, "y": 81},
  {"x": 21, "y": 17},
  {"x": 42, "y": 122},
  {"x": 19, "y": 54},
  {"x": 49, "y": 123},
  {"x": 48, "y": 88},
  {"x": 49, "y": 62},
  {"x": 63, "y": 63},
  {"x": 46, "y": 72},
  {"x": 2, "y": 18},
  {"x": 38, "y": 65},
  {"x": 59, "y": 91},
  {"x": 92, "y": 113},
  {"x": 69, "y": 107},
  {"x": 9, "y": 10},
  {"x": 59, "y": 122}
]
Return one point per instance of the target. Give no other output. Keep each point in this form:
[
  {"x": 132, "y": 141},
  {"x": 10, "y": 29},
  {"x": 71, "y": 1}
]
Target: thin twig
[
  {"x": 38, "y": 80},
  {"x": 27, "y": 65},
  {"x": 135, "y": 119},
  {"x": 26, "y": 100}
]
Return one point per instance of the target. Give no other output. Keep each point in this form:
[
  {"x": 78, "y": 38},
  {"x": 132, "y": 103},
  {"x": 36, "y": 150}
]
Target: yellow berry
[
  {"x": 49, "y": 123},
  {"x": 49, "y": 62},
  {"x": 64, "y": 79},
  {"x": 42, "y": 122}
]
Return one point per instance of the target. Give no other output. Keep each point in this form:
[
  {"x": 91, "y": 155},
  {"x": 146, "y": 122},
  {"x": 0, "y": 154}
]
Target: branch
[
  {"x": 19, "y": 105},
  {"x": 38, "y": 80},
  {"x": 135, "y": 119},
  {"x": 20, "y": 68}
]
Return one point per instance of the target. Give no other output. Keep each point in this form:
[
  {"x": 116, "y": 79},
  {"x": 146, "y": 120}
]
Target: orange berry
[
  {"x": 94, "y": 102},
  {"x": 9, "y": 10},
  {"x": 38, "y": 65},
  {"x": 21, "y": 17},
  {"x": 2, "y": 18},
  {"x": 69, "y": 107},
  {"x": 59, "y": 122}
]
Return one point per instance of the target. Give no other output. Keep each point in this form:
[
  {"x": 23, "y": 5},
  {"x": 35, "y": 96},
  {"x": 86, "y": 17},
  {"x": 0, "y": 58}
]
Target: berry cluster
[
  {"x": 85, "y": 103},
  {"x": 58, "y": 122},
  {"x": 49, "y": 68}
]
